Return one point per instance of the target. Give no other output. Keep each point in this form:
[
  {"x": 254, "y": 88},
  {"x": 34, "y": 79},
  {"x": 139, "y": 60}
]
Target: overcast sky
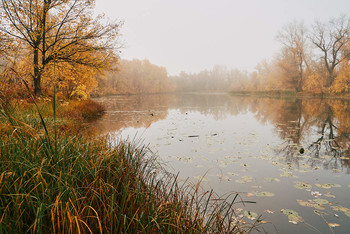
[{"x": 193, "y": 35}]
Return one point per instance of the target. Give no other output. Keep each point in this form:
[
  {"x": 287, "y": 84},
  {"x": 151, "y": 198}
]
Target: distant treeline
[{"x": 314, "y": 59}]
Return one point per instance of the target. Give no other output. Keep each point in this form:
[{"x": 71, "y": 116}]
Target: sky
[{"x": 193, "y": 35}]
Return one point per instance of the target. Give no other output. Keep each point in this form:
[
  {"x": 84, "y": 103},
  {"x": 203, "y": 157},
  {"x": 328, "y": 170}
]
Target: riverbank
[
  {"x": 56, "y": 182},
  {"x": 290, "y": 94}
]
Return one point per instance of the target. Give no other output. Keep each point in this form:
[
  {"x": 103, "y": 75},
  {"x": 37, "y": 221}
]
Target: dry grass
[
  {"x": 81, "y": 110},
  {"x": 54, "y": 183}
]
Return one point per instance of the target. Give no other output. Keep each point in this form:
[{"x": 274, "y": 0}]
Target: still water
[{"x": 290, "y": 156}]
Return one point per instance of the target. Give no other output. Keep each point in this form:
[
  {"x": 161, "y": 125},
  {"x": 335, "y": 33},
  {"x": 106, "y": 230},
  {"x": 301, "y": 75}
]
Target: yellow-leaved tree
[{"x": 60, "y": 34}]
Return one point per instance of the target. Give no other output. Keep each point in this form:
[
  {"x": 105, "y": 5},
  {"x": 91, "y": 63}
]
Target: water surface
[{"x": 253, "y": 146}]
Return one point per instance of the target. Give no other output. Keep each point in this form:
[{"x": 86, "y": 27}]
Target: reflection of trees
[
  {"x": 320, "y": 126},
  {"x": 218, "y": 105},
  {"x": 133, "y": 111},
  {"x": 299, "y": 121}
]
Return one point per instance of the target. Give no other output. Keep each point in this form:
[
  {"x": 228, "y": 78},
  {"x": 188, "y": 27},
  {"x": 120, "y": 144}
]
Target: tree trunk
[
  {"x": 330, "y": 79},
  {"x": 300, "y": 81},
  {"x": 37, "y": 73}
]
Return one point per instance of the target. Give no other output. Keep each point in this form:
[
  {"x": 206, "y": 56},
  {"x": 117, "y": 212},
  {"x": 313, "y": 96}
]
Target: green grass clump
[{"x": 56, "y": 183}]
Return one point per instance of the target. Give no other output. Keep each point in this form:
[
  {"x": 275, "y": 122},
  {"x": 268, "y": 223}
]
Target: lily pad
[
  {"x": 345, "y": 210},
  {"x": 305, "y": 203},
  {"x": 292, "y": 215},
  {"x": 245, "y": 179},
  {"x": 320, "y": 213},
  {"x": 287, "y": 173},
  {"x": 328, "y": 186},
  {"x": 302, "y": 185},
  {"x": 261, "y": 194},
  {"x": 328, "y": 194},
  {"x": 312, "y": 204},
  {"x": 270, "y": 179},
  {"x": 250, "y": 215},
  {"x": 321, "y": 201}
]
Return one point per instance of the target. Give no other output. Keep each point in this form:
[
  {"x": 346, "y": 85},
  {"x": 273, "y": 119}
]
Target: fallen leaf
[{"x": 333, "y": 225}]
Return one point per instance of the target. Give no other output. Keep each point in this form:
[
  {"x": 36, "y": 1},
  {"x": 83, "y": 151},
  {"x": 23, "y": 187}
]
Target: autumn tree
[
  {"x": 59, "y": 31},
  {"x": 330, "y": 38},
  {"x": 293, "y": 38}
]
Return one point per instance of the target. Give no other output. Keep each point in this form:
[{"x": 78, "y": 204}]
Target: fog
[{"x": 194, "y": 35}]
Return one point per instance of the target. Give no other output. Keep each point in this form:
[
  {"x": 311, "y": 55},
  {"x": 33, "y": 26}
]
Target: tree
[
  {"x": 293, "y": 38},
  {"x": 330, "y": 39},
  {"x": 60, "y": 31}
]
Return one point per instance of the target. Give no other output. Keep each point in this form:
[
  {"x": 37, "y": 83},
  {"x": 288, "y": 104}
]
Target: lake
[{"x": 290, "y": 156}]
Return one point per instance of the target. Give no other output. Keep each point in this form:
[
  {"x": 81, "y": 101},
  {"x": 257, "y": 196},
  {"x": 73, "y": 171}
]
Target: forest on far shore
[
  {"x": 82, "y": 59},
  {"x": 313, "y": 60}
]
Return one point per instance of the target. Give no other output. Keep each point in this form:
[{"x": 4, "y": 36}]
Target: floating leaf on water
[
  {"x": 347, "y": 213},
  {"x": 262, "y": 221},
  {"x": 257, "y": 186},
  {"x": 245, "y": 179},
  {"x": 306, "y": 166},
  {"x": 269, "y": 211},
  {"x": 292, "y": 215},
  {"x": 264, "y": 194},
  {"x": 343, "y": 209},
  {"x": 328, "y": 186},
  {"x": 270, "y": 179},
  {"x": 304, "y": 171},
  {"x": 305, "y": 203},
  {"x": 287, "y": 174},
  {"x": 311, "y": 204},
  {"x": 328, "y": 194},
  {"x": 320, "y": 213},
  {"x": 261, "y": 194},
  {"x": 333, "y": 225},
  {"x": 250, "y": 215},
  {"x": 336, "y": 170},
  {"x": 321, "y": 201},
  {"x": 302, "y": 185}
]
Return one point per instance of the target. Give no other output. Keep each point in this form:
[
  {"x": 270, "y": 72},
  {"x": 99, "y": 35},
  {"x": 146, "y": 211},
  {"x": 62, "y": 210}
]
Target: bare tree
[
  {"x": 293, "y": 38},
  {"x": 330, "y": 39},
  {"x": 59, "y": 31}
]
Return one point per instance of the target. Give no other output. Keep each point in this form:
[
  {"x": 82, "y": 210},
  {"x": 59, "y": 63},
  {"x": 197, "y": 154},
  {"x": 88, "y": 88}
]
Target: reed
[{"x": 51, "y": 182}]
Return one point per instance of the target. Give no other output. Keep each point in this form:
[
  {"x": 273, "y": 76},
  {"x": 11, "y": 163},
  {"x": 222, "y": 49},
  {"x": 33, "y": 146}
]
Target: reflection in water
[
  {"x": 137, "y": 111},
  {"x": 249, "y": 145},
  {"x": 320, "y": 126}
]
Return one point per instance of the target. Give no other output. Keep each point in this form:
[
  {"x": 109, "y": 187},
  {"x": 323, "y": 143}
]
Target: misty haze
[{"x": 168, "y": 116}]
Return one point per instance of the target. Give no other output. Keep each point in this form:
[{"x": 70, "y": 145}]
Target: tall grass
[{"x": 56, "y": 183}]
